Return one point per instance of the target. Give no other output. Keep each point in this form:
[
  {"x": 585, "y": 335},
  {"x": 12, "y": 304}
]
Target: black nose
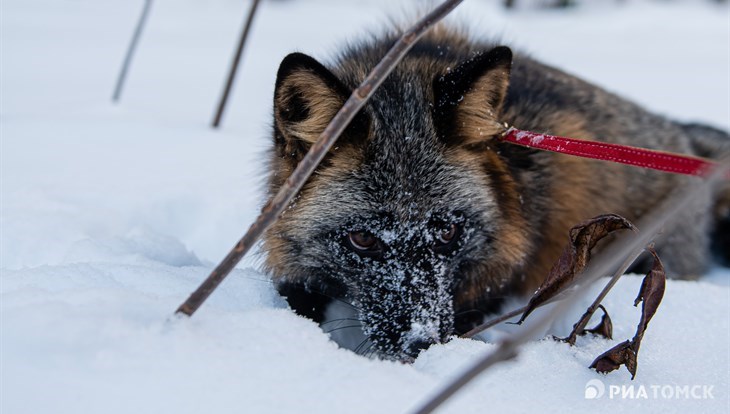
[{"x": 415, "y": 347}]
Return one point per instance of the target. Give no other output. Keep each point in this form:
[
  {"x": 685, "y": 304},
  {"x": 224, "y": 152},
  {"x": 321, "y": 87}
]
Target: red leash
[{"x": 623, "y": 154}]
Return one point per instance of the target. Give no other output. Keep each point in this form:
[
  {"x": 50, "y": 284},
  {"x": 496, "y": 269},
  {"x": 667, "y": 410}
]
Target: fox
[{"x": 423, "y": 222}]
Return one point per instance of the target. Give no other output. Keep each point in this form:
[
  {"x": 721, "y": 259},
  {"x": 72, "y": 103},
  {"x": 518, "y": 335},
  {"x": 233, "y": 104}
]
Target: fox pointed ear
[
  {"x": 306, "y": 98},
  {"x": 469, "y": 98}
]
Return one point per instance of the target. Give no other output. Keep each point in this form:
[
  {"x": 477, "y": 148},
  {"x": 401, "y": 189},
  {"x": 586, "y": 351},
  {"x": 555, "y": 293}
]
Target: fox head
[{"x": 412, "y": 217}]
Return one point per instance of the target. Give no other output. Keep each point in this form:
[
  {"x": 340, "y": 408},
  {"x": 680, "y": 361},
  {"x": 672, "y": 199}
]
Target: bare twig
[
  {"x": 505, "y": 351},
  {"x": 602, "y": 264},
  {"x": 499, "y": 319},
  {"x": 131, "y": 49},
  {"x": 294, "y": 183},
  {"x": 511, "y": 314},
  {"x": 234, "y": 64},
  {"x": 592, "y": 309},
  {"x": 581, "y": 324}
]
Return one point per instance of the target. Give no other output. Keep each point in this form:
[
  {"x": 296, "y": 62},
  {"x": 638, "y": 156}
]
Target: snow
[
  {"x": 534, "y": 139},
  {"x": 112, "y": 214}
]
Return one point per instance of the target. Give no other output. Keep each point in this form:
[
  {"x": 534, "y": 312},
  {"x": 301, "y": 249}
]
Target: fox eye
[
  {"x": 448, "y": 234},
  {"x": 364, "y": 243},
  {"x": 446, "y": 238}
]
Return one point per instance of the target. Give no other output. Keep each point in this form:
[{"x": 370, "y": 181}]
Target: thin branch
[
  {"x": 592, "y": 309},
  {"x": 235, "y": 63},
  {"x": 602, "y": 265},
  {"x": 511, "y": 314},
  {"x": 131, "y": 50},
  {"x": 294, "y": 183},
  {"x": 581, "y": 324},
  {"x": 499, "y": 319}
]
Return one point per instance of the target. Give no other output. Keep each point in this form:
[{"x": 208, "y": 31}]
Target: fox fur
[{"x": 422, "y": 221}]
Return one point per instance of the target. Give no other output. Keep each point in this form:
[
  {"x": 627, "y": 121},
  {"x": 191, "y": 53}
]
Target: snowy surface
[{"x": 112, "y": 214}]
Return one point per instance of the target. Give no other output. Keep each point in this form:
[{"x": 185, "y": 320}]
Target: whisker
[
  {"x": 343, "y": 327},
  {"x": 340, "y": 320},
  {"x": 257, "y": 279},
  {"x": 355, "y": 308},
  {"x": 359, "y": 347},
  {"x": 468, "y": 312},
  {"x": 312, "y": 289},
  {"x": 370, "y": 351}
]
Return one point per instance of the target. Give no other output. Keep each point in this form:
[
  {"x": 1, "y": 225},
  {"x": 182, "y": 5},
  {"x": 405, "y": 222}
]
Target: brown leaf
[
  {"x": 604, "y": 328},
  {"x": 575, "y": 256},
  {"x": 651, "y": 294},
  {"x": 611, "y": 360}
]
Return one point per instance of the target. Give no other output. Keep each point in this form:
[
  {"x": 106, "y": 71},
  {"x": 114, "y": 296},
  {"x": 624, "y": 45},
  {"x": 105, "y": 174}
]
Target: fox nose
[{"x": 415, "y": 347}]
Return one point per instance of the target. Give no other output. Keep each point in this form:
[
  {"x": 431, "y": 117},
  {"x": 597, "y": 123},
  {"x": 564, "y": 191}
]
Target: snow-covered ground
[{"x": 112, "y": 214}]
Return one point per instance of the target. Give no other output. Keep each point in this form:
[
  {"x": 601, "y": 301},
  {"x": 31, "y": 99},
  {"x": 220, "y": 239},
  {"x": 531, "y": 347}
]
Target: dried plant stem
[
  {"x": 505, "y": 351},
  {"x": 130, "y": 50},
  {"x": 583, "y": 321},
  {"x": 235, "y": 63},
  {"x": 591, "y": 310},
  {"x": 602, "y": 265},
  {"x": 511, "y": 314},
  {"x": 499, "y": 319},
  {"x": 294, "y": 183}
]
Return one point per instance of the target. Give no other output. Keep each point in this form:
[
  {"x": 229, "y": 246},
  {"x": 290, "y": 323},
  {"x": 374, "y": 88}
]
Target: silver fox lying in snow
[{"x": 422, "y": 221}]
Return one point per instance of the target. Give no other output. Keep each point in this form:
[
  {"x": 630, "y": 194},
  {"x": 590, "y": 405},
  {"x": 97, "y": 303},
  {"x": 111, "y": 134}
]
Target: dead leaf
[
  {"x": 575, "y": 256},
  {"x": 604, "y": 328},
  {"x": 651, "y": 294},
  {"x": 611, "y": 360}
]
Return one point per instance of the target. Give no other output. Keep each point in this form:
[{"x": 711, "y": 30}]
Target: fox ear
[
  {"x": 469, "y": 98},
  {"x": 306, "y": 98}
]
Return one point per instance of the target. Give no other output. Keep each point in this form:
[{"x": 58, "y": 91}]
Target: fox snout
[{"x": 404, "y": 289}]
